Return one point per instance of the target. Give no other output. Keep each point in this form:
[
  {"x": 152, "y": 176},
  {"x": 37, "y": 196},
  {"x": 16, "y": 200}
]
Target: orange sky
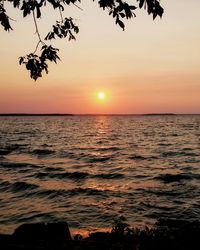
[{"x": 154, "y": 66}]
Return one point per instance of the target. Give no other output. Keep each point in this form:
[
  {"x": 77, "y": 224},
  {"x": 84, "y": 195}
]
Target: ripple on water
[
  {"x": 42, "y": 152},
  {"x": 77, "y": 175},
  {"x": 168, "y": 178}
]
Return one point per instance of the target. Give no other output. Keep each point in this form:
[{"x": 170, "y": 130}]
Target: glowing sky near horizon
[{"x": 153, "y": 66}]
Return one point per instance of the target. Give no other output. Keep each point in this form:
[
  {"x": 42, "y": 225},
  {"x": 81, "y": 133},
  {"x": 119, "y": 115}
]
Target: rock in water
[{"x": 43, "y": 231}]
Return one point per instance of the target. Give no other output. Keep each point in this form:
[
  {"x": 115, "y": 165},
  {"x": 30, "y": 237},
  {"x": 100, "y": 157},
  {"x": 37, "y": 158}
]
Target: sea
[{"x": 91, "y": 170}]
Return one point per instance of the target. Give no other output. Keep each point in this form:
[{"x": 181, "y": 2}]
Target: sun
[{"x": 101, "y": 95}]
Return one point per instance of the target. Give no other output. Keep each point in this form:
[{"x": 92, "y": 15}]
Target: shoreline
[
  {"x": 168, "y": 234},
  {"x": 72, "y": 114}
]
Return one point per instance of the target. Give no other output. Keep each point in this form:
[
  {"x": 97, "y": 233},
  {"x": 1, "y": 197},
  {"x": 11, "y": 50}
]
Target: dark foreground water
[{"x": 88, "y": 170}]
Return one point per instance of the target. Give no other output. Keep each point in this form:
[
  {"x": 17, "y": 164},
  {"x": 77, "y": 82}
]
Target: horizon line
[{"x": 93, "y": 114}]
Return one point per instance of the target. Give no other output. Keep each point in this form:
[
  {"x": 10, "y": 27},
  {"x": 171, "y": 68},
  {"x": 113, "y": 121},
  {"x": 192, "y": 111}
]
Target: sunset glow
[
  {"x": 151, "y": 67},
  {"x": 101, "y": 95}
]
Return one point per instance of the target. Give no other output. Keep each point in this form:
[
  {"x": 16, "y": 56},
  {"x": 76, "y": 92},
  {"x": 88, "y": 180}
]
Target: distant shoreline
[
  {"x": 27, "y": 114},
  {"x": 61, "y": 114}
]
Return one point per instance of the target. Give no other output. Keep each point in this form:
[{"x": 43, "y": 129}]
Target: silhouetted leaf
[
  {"x": 106, "y": 3},
  {"x": 16, "y": 3},
  {"x": 153, "y": 7},
  {"x": 49, "y": 53},
  {"x": 121, "y": 24},
  {"x": 38, "y": 11},
  {"x": 56, "y": 4},
  {"x": 4, "y": 20},
  {"x": 70, "y": 1},
  {"x": 133, "y": 7},
  {"x": 122, "y": 15},
  {"x": 141, "y": 3},
  {"x": 26, "y": 8},
  {"x": 21, "y": 60}
]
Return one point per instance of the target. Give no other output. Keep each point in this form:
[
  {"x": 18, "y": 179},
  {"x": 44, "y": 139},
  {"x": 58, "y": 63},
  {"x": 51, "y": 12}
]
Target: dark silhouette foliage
[
  {"x": 166, "y": 235},
  {"x": 36, "y": 64},
  {"x": 65, "y": 27}
]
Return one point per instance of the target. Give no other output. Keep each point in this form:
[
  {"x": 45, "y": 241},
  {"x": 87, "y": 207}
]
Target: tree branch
[
  {"x": 37, "y": 32},
  {"x": 36, "y": 27}
]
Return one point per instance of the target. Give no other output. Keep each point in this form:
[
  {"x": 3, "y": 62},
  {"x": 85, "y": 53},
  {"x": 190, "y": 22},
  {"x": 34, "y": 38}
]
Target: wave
[
  {"x": 141, "y": 157},
  {"x": 137, "y": 157},
  {"x": 96, "y": 159},
  {"x": 78, "y": 175},
  {"x": 110, "y": 176},
  {"x": 178, "y": 153},
  {"x": 158, "y": 206},
  {"x": 100, "y": 148},
  {"x": 15, "y": 165},
  {"x": 51, "y": 193},
  {"x": 87, "y": 157},
  {"x": 113, "y": 148},
  {"x": 187, "y": 215},
  {"x": 13, "y": 147},
  {"x": 17, "y": 186},
  {"x": 73, "y": 175},
  {"x": 192, "y": 160},
  {"x": 5, "y": 152},
  {"x": 21, "y": 186},
  {"x": 168, "y": 178},
  {"x": 53, "y": 169},
  {"x": 35, "y": 216},
  {"x": 164, "y": 144},
  {"x": 171, "y": 193},
  {"x": 7, "y": 149},
  {"x": 42, "y": 152},
  {"x": 4, "y": 185},
  {"x": 140, "y": 176}
]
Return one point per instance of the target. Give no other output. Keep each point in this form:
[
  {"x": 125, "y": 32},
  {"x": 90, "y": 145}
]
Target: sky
[{"x": 151, "y": 67}]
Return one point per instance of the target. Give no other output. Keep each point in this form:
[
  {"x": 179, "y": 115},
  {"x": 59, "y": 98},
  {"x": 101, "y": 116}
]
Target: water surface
[{"x": 88, "y": 170}]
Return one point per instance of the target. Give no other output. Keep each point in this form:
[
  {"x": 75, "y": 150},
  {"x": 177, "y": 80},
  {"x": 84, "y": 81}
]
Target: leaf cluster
[
  {"x": 152, "y": 6},
  {"x": 63, "y": 29},
  {"x": 37, "y": 64},
  {"x": 119, "y": 9},
  {"x": 4, "y": 19},
  {"x": 29, "y": 6}
]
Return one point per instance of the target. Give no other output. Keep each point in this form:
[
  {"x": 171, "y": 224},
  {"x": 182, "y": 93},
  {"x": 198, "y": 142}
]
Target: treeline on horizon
[{"x": 88, "y": 114}]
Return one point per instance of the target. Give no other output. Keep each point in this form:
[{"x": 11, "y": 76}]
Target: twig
[
  {"x": 36, "y": 27},
  {"x": 37, "y": 32},
  {"x": 77, "y": 6},
  {"x": 62, "y": 20},
  {"x": 12, "y": 19},
  {"x": 36, "y": 47}
]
